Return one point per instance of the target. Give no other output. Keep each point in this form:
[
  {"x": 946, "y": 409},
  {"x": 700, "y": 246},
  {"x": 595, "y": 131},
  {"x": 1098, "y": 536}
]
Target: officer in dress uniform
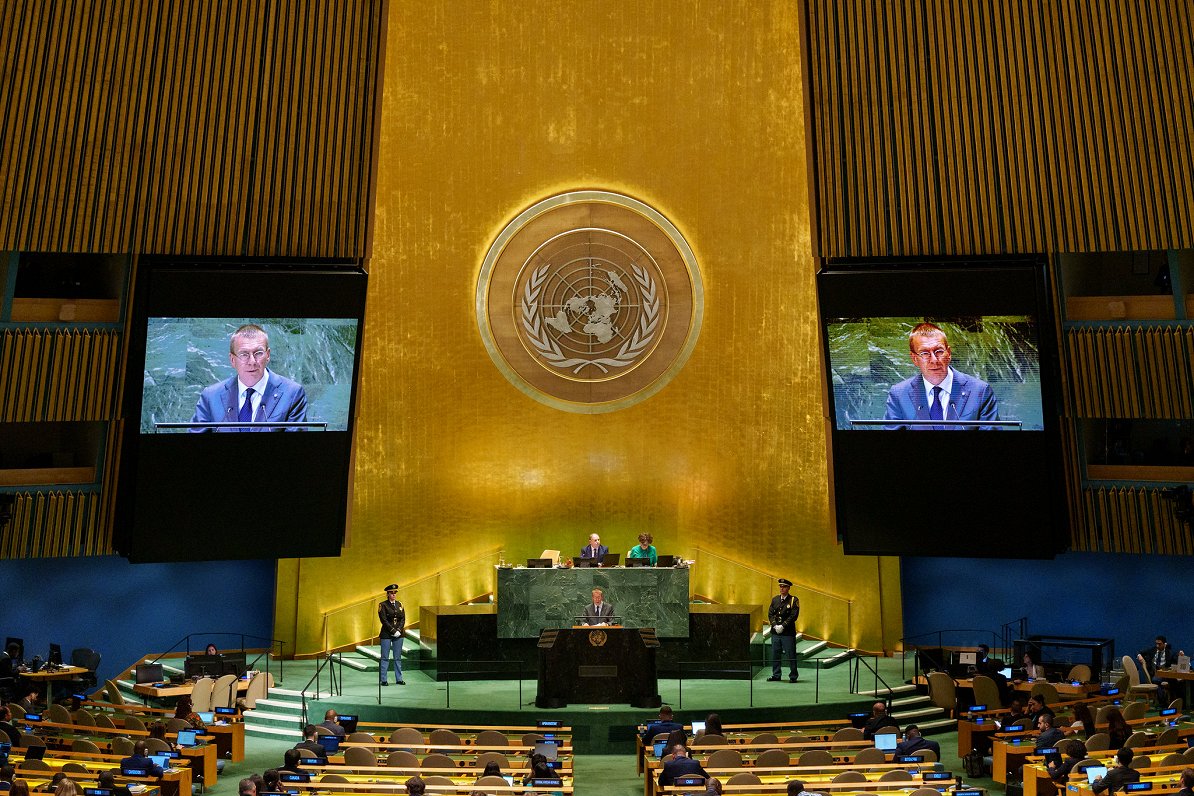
[
  {"x": 393, "y": 622},
  {"x": 781, "y": 615}
]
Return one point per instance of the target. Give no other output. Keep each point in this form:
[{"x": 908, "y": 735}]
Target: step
[
  {"x": 883, "y": 692},
  {"x": 837, "y": 659},
  {"x": 915, "y": 716},
  {"x": 937, "y": 725},
  {"x": 278, "y": 733},
  {"x": 812, "y": 649},
  {"x": 294, "y": 695},
  {"x": 283, "y": 707},
  {"x": 356, "y": 664},
  {"x": 913, "y": 700}
]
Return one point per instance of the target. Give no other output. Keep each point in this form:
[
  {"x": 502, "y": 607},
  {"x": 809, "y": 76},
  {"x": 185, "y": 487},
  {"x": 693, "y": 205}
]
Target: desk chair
[
  {"x": 485, "y": 758},
  {"x": 1135, "y": 683},
  {"x": 491, "y": 779},
  {"x": 986, "y": 691},
  {"x": 1134, "y": 710},
  {"x": 201, "y": 695},
  {"x": 1079, "y": 672},
  {"x": 1173, "y": 759},
  {"x": 870, "y": 756},
  {"x": 124, "y": 746},
  {"x": 333, "y": 778},
  {"x": 724, "y": 758},
  {"x": 222, "y": 691},
  {"x": 89, "y": 659},
  {"x": 849, "y": 776},
  {"x": 1099, "y": 742},
  {"x": 112, "y": 693},
  {"x": 1141, "y": 761},
  {"x": 258, "y": 688},
  {"x": 1048, "y": 691},
  {"x": 407, "y": 735},
  {"x": 491, "y": 738},
  {"x": 815, "y": 757},
  {"x": 746, "y": 778},
  {"x": 437, "y": 779},
  {"x": 83, "y": 718},
  {"x": 896, "y": 774},
  {"x": 134, "y": 723},
  {"x": 1137, "y": 740},
  {"x": 770, "y": 737},
  {"x": 847, "y": 734},
  {"x": 445, "y": 738},
  {"x": 773, "y": 758},
  {"x": 944, "y": 692},
  {"x": 437, "y": 760},
  {"x": 402, "y": 759},
  {"x": 360, "y": 756},
  {"x": 156, "y": 746}
]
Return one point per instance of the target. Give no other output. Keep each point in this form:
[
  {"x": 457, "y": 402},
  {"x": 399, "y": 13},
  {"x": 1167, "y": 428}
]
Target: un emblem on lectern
[
  {"x": 589, "y": 301},
  {"x": 597, "y": 638}
]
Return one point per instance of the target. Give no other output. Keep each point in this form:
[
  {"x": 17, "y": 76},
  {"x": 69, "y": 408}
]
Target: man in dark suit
[
  {"x": 665, "y": 726},
  {"x": 1049, "y": 735},
  {"x": 255, "y": 394},
  {"x": 1119, "y": 776},
  {"x": 331, "y": 725},
  {"x": 681, "y": 765},
  {"x": 594, "y": 549},
  {"x": 938, "y": 392},
  {"x": 598, "y": 612},
  {"x": 879, "y": 720},
  {"x": 10, "y": 729},
  {"x": 781, "y": 615},
  {"x": 140, "y": 759},
  {"x": 914, "y": 742},
  {"x": 310, "y": 747},
  {"x": 1152, "y": 661}
]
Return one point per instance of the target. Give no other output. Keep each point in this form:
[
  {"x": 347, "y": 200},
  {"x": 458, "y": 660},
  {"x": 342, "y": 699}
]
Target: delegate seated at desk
[
  {"x": 1119, "y": 776},
  {"x": 594, "y": 549},
  {"x": 140, "y": 759},
  {"x": 914, "y": 742},
  {"x": 681, "y": 765},
  {"x": 598, "y": 612}
]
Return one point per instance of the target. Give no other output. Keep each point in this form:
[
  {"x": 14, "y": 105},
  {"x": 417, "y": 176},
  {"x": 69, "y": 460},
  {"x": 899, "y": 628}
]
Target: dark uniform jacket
[
  {"x": 393, "y": 618},
  {"x": 784, "y": 612}
]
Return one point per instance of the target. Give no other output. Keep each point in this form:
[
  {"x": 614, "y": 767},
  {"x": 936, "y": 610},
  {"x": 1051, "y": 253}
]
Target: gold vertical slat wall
[
  {"x": 50, "y": 375},
  {"x": 1130, "y": 520},
  {"x": 961, "y": 127},
  {"x": 199, "y": 127},
  {"x": 1132, "y": 373}
]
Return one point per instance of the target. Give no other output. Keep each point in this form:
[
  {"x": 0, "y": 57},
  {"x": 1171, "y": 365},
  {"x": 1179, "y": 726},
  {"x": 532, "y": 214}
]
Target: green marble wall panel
[{"x": 532, "y": 599}]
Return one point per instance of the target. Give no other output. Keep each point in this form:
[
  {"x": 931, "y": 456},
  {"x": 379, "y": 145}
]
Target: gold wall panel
[
  {"x": 1131, "y": 372},
  {"x": 214, "y": 127},
  {"x": 692, "y": 107},
  {"x": 1020, "y": 126},
  {"x": 58, "y": 374},
  {"x": 1130, "y": 520}
]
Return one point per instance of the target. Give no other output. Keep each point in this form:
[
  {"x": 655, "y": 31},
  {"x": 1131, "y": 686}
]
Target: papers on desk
[{"x": 137, "y": 787}]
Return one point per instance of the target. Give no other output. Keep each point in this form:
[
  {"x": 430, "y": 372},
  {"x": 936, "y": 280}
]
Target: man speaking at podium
[
  {"x": 598, "y": 612},
  {"x": 255, "y": 394},
  {"x": 939, "y": 392}
]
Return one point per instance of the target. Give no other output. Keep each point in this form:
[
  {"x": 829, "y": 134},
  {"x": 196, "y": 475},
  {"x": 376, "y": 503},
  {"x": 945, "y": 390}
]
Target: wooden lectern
[{"x": 598, "y": 665}]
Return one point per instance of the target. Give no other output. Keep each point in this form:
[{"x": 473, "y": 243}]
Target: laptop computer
[
  {"x": 638, "y": 562},
  {"x": 582, "y": 563},
  {"x": 611, "y": 559},
  {"x": 161, "y": 761},
  {"x": 539, "y": 563},
  {"x": 1095, "y": 772},
  {"x": 330, "y": 743},
  {"x": 660, "y": 748},
  {"x": 547, "y": 749},
  {"x": 665, "y": 561},
  {"x": 188, "y": 737},
  {"x": 207, "y": 717},
  {"x": 887, "y": 741},
  {"x": 698, "y": 727}
]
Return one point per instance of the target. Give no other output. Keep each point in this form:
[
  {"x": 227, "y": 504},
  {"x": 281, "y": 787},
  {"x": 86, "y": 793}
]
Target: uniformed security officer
[
  {"x": 393, "y": 623},
  {"x": 781, "y": 615}
]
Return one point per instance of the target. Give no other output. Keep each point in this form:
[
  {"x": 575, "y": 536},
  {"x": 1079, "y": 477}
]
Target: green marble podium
[{"x": 530, "y": 600}]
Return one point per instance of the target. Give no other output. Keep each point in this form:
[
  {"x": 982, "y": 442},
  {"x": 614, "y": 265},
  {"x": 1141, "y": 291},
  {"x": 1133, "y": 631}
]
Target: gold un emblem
[{"x": 589, "y": 301}]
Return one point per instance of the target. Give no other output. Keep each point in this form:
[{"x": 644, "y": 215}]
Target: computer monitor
[
  {"x": 547, "y": 749},
  {"x": 149, "y": 673},
  {"x": 887, "y": 741},
  {"x": 204, "y": 666},
  {"x": 611, "y": 559},
  {"x": 1095, "y": 772},
  {"x": 968, "y": 658},
  {"x": 55, "y": 656},
  {"x": 348, "y": 721},
  {"x": 330, "y": 743},
  {"x": 698, "y": 727},
  {"x": 188, "y": 737},
  {"x": 666, "y": 561},
  {"x": 585, "y": 563},
  {"x": 661, "y": 748},
  {"x": 538, "y": 563}
]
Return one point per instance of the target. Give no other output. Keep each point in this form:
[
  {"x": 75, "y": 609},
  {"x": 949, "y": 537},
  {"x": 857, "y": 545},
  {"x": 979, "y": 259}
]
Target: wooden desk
[
  {"x": 51, "y": 676},
  {"x": 229, "y": 739},
  {"x": 1007, "y": 757},
  {"x": 969, "y": 731},
  {"x": 151, "y": 691}
]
